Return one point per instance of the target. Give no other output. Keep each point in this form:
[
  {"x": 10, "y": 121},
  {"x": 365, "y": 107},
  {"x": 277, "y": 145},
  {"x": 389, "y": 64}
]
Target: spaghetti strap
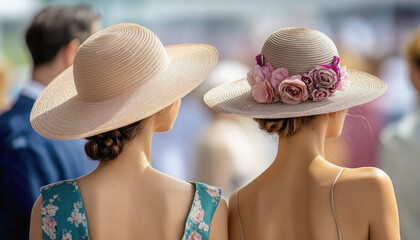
[
  {"x": 332, "y": 204},
  {"x": 239, "y": 216}
]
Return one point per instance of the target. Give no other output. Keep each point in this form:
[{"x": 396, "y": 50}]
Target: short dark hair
[{"x": 55, "y": 27}]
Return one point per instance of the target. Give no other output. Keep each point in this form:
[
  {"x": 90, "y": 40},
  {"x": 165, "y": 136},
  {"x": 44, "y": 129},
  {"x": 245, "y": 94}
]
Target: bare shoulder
[
  {"x": 219, "y": 224},
  {"x": 221, "y": 214},
  {"x": 35, "y": 231},
  {"x": 371, "y": 192},
  {"x": 233, "y": 222},
  {"x": 233, "y": 204},
  {"x": 174, "y": 185},
  {"x": 366, "y": 177},
  {"x": 369, "y": 185}
]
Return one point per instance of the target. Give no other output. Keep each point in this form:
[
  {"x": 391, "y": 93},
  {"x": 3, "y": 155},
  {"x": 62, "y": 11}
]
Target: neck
[
  {"x": 45, "y": 73},
  {"x": 300, "y": 150}
]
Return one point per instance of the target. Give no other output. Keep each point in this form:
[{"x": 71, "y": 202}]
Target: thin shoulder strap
[
  {"x": 332, "y": 204},
  {"x": 239, "y": 216}
]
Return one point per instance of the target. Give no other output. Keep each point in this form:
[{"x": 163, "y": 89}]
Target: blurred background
[{"x": 370, "y": 36}]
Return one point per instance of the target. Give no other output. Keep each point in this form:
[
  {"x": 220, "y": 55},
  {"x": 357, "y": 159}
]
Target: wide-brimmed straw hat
[
  {"x": 121, "y": 74},
  {"x": 299, "y": 50}
]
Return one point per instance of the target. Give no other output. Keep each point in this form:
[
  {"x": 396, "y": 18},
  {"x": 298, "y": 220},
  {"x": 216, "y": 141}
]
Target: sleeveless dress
[{"x": 63, "y": 214}]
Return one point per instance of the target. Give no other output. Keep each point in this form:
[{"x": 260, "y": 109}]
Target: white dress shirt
[{"x": 32, "y": 89}]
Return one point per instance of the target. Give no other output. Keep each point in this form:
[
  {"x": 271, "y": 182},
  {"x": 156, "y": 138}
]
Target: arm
[
  {"x": 35, "y": 231},
  {"x": 219, "y": 229},
  {"x": 383, "y": 222}
]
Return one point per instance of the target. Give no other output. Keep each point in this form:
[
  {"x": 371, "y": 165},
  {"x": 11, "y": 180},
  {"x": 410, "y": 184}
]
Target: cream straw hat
[
  {"x": 121, "y": 74},
  {"x": 299, "y": 50}
]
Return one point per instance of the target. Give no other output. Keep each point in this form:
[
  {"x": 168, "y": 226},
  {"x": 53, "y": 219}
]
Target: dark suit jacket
[{"x": 27, "y": 162}]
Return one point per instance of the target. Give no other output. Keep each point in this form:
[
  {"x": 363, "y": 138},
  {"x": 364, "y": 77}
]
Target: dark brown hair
[
  {"x": 107, "y": 146},
  {"x": 284, "y": 127},
  {"x": 55, "y": 27}
]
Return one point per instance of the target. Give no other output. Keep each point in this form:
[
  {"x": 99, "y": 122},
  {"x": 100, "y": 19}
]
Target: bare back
[
  {"x": 298, "y": 205},
  {"x": 153, "y": 207}
]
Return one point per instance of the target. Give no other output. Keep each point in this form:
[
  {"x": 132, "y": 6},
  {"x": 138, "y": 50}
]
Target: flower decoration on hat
[{"x": 270, "y": 85}]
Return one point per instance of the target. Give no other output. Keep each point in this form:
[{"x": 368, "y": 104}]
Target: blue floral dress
[{"x": 63, "y": 214}]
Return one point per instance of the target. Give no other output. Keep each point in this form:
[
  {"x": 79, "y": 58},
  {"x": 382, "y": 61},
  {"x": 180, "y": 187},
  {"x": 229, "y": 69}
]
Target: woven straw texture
[
  {"x": 299, "y": 50},
  {"x": 121, "y": 74}
]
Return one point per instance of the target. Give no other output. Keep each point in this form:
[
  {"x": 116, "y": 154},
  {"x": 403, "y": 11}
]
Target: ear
[{"x": 69, "y": 52}]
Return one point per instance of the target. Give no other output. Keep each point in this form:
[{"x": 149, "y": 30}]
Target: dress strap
[
  {"x": 63, "y": 215},
  {"x": 332, "y": 203},
  {"x": 239, "y": 216},
  {"x": 198, "y": 223}
]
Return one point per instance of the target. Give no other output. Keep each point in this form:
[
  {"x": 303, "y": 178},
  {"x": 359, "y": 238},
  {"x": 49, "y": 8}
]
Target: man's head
[{"x": 57, "y": 32}]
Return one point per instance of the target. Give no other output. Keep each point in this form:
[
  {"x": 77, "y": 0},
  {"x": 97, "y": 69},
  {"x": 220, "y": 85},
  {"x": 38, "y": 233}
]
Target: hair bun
[
  {"x": 284, "y": 127},
  {"x": 105, "y": 146},
  {"x": 109, "y": 145}
]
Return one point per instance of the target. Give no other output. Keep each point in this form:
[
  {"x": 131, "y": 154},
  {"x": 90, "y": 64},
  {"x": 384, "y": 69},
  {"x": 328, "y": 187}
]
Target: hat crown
[
  {"x": 298, "y": 50},
  {"x": 116, "y": 60}
]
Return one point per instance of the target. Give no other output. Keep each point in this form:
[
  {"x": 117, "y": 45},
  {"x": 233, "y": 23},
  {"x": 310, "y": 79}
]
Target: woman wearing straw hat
[
  {"x": 299, "y": 91},
  {"x": 124, "y": 86}
]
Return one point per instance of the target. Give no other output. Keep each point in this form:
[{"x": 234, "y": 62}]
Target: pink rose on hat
[
  {"x": 268, "y": 70},
  {"x": 259, "y": 74},
  {"x": 278, "y": 76},
  {"x": 343, "y": 82},
  {"x": 293, "y": 90},
  {"x": 345, "y": 79},
  {"x": 256, "y": 75},
  {"x": 324, "y": 77},
  {"x": 307, "y": 79},
  {"x": 270, "y": 85},
  {"x": 320, "y": 94},
  {"x": 263, "y": 92}
]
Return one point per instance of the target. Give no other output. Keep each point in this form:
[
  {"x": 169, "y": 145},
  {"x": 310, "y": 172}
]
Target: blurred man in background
[
  {"x": 400, "y": 154},
  {"x": 27, "y": 160}
]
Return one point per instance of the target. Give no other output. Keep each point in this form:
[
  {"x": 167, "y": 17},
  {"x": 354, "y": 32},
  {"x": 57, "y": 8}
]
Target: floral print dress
[{"x": 63, "y": 214}]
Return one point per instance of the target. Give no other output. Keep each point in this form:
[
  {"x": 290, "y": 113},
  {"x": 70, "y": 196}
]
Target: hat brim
[
  {"x": 236, "y": 98},
  {"x": 58, "y": 113}
]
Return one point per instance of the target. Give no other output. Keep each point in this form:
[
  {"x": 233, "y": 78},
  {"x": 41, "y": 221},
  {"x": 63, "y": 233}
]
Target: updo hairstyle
[
  {"x": 108, "y": 145},
  {"x": 284, "y": 127}
]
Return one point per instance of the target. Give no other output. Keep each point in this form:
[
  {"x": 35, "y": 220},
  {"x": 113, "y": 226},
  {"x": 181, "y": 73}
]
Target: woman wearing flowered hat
[{"x": 299, "y": 91}]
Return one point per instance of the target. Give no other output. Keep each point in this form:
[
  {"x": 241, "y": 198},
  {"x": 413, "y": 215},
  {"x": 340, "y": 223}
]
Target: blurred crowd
[{"x": 218, "y": 149}]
